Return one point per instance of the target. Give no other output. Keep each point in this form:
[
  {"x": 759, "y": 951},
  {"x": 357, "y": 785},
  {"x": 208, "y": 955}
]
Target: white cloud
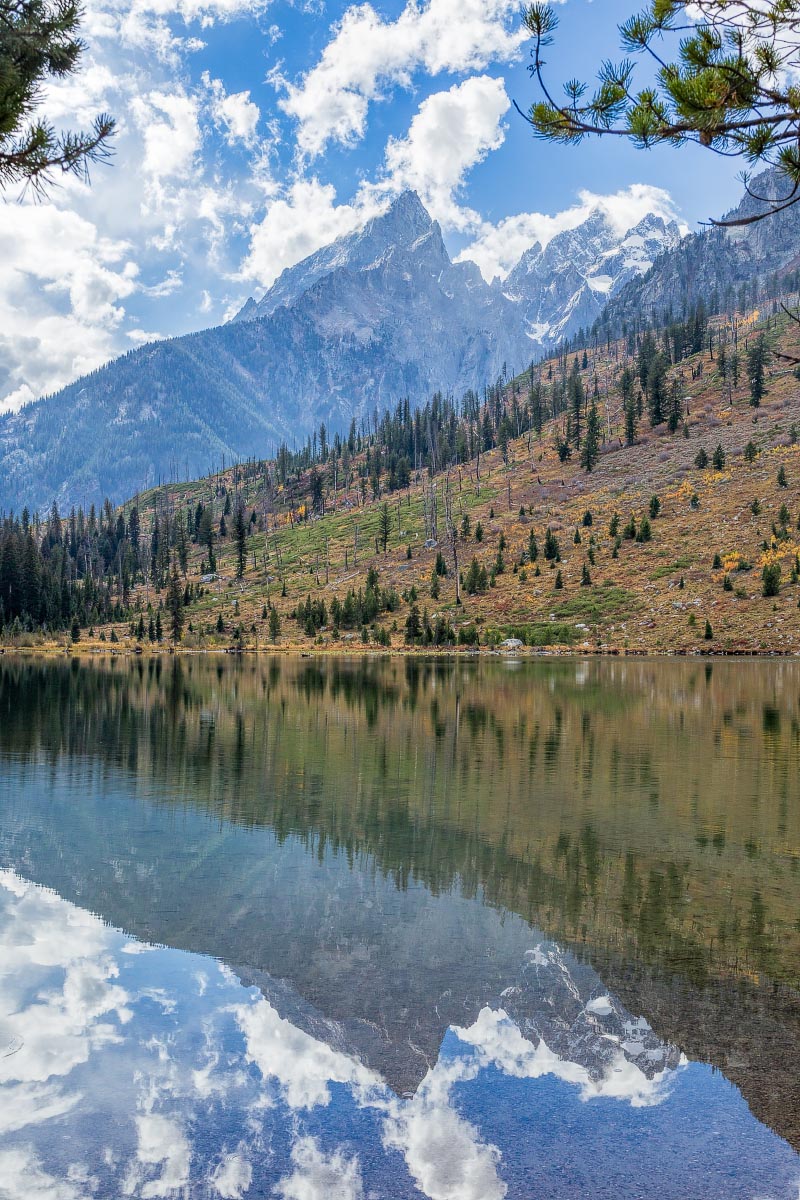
[
  {"x": 451, "y": 132},
  {"x": 60, "y": 292},
  {"x": 233, "y": 1174},
  {"x": 22, "y": 1177},
  {"x": 170, "y": 130},
  {"x": 320, "y": 1176},
  {"x": 498, "y": 247},
  {"x": 368, "y": 54},
  {"x": 499, "y": 1043},
  {"x": 443, "y": 1152},
  {"x": 296, "y": 224},
  {"x": 235, "y": 112},
  {"x": 162, "y": 1143}
]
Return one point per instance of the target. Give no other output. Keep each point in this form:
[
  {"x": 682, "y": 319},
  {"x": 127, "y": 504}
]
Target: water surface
[{"x": 389, "y": 928}]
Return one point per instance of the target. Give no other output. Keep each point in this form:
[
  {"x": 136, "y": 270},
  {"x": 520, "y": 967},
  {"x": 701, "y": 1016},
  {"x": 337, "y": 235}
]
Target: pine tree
[
  {"x": 590, "y": 451},
  {"x": 552, "y": 550},
  {"x": 39, "y": 42},
  {"x": 240, "y": 537},
  {"x": 657, "y": 390},
  {"x": 175, "y": 604},
  {"x": 384, "y": 525},
  {"x": 756, "y": 362},
  {"x": 413, "y": 626},
  {"x": 629, "y": 408},
  {"x": 274, "y": 624},
  {"x": 725, "y": 81}
]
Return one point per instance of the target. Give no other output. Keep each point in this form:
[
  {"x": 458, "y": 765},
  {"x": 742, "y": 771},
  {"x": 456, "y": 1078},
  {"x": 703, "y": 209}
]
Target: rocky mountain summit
[
  {"x": 564, "y": 286},
  {"x": 378, "y": 316}
]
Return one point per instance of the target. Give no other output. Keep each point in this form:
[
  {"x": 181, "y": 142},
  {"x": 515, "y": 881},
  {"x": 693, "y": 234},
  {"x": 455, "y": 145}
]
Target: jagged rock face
[
  {"x": 373, "y": 319},
  {"x": 377, "y": 316},
  {"x": 710, "y": 265},
  {"x": 565, "y": 287},
  {"x": 399, "y": 230}
]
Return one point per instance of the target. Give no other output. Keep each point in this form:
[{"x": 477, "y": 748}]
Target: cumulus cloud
[
  {"x": 66, "y": 1022},
  {"x": 451, "y": 132},
  {"x": 22, "y": 1174},
  {"x": 498, "y": 1042},
  {"x": 233, "y": 1174},
  {"x": 367, "y": 55},
  {"x": 60, "y": 297},
  {"x": 299, "y": 222},
  {"x": 234, "y": 112},
  {"x": 497, "y": 247},
  {"x": 162, "y": 1143},
  {"x": 319, "y": 1176},
  {"x": 170, "y": 129},
  {"x": 194, "y": 206},
  {"x": 444, "y": 1152}
]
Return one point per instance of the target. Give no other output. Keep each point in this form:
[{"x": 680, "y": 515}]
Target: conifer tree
[
  {"x": 384, "y": 525},
  {"x": 590, "y": 451},
  {"x": 756, "y": 362},
  {"x": 240, "y": 537},
  {"x": 725, "y": 79},
  {"x": 39, "y": 42},
  {"x": 274, "y": 624},
  {"x": 175, "y": 603}
]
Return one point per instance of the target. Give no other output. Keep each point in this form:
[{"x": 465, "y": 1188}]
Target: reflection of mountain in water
[
  {"x": 358, "y": 807},
  {"x": 145, "y": 1071}
]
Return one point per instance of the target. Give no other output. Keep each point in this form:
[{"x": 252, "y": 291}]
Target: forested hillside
[{"x": 640, "y": 495}]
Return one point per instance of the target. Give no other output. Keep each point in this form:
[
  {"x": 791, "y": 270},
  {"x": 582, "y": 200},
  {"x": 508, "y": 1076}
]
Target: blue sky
[{"x": 254, "y": 131}]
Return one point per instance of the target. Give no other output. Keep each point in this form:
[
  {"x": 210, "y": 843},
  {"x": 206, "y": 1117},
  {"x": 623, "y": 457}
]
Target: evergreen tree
[
  {"x": 590, "y": 451},
  {"x": 274, "y": 624},
  {"x": 629, "y": 407},
  {"x": 725, "y": 80},
  {"x": 175, "y": 604},
  {"x": 240, "y": 536},
  {"x": 384, "y": 525},
  {"x": 756, "y": 362},
  {"x": 413, "y": 626},
  {"x": 657, "y": 390},
  {"x": 39, "y": 42}
]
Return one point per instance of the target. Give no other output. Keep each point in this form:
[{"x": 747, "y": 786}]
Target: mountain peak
[
  {"x": 402, "y": 224},
  {"x": 405, "y": 220}
]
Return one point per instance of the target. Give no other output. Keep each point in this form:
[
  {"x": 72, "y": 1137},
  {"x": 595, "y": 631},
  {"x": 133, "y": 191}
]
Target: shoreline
[{"x": 100, "y": 650}]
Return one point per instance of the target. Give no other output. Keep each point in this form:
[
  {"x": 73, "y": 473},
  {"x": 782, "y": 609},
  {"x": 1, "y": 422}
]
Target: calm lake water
[{"x": 340, "y": 930}]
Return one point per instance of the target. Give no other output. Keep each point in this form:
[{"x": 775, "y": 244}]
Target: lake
[{"x": 383, "y": 928}]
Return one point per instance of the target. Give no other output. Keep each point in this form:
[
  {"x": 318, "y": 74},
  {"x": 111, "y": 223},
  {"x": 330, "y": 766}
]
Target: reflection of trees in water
[{"x": 614, "y": 803}]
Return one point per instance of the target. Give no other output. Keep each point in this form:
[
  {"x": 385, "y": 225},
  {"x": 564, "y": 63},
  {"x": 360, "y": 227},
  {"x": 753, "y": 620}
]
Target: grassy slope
[{"x": 634, "y": 602}]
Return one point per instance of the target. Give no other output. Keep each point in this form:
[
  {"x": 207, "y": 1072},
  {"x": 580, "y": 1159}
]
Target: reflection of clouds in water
[
  {"x": 32, "y": 1103},
  {"x": 54, "y": 1020},
  {"x": 202, "y": 1088},
  {"x": 303, "y": 1065},
  {"x": 319, "y": 1176},
  {"x": 60, "y": 991},
  {"x": 444, "y": 1153},
  {"x": 498, "y": 1042},
  {"x": 162, "y": 1143},
  {"x": 233, "y": 1174},
  {"x": 22, "y": 1176}
]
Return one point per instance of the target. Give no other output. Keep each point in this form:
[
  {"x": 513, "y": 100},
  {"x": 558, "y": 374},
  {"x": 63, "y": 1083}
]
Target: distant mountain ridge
[
  {"x": 565, "y": 286},
  {"x": 715, "y": 262},
  {"x": 378, "y": 316}
]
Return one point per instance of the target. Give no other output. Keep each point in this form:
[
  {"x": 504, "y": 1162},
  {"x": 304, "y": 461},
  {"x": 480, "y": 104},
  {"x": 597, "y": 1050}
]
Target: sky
[{"x": 252, "y": 132}]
